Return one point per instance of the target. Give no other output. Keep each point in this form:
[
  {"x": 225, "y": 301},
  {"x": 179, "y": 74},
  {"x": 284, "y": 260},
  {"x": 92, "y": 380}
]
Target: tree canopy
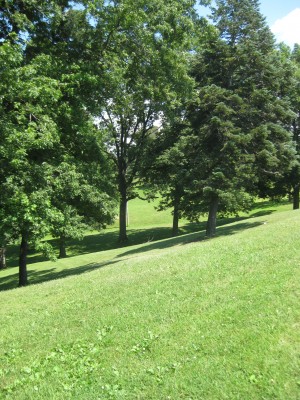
[{"x": 100, "y": 98}]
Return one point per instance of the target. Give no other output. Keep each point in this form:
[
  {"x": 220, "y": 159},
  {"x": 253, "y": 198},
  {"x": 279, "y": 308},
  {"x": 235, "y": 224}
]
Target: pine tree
[{"x": 240, "y": 120}]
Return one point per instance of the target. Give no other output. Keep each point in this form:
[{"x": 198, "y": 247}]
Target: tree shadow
[
  {"x": 152, "y": 238},
  {"x": 39, "y": 276},
  {"x": 108, "y": 239},
  {"x": 103, "y": 241},
  {"x": 192, "y": 237},
  {"x": 261, "y": 213},
  {"x": 270, "y": 203}
]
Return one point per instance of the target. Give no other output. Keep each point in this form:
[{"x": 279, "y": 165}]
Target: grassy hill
[{"x": 182, "y": 318}]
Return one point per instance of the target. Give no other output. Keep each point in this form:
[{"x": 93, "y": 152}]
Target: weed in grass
[
  {"x": 159, "y": 373},
  {"x": 73, "y": 365},
  {"x": 144, "y": 347}
]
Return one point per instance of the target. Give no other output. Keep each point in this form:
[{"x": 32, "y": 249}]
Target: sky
[{"x": 283, "y": 18}]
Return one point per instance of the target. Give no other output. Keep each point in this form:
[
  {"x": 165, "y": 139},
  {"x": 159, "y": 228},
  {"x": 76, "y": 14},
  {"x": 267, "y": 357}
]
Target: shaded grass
[
  {"x": 145, "y": 225},
  {"x": 210, "y": 319},
  {"x": 141, "y": 212},
  {"x": 40, "y": 272}
]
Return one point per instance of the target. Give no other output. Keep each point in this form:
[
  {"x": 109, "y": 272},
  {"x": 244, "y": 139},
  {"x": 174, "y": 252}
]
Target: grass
[
  {"x": 179, "y": 318},
  {"x": 145, "y": 225}
]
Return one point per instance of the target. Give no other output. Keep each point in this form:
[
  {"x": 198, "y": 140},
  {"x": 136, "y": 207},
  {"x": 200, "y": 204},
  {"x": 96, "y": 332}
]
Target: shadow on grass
[
  {"x": 270, "y": 203},
  {"x": 39, "y": 276},
  {"x": 108, "y": 239},
  {"x": 153, "y": 239},
  {"x": 103, "y": 241},
  {"x": 192, "y": 237}
]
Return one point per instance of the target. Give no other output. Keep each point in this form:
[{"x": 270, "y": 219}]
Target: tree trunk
[
  {"x": 23, "y": 261},
  {"x": 212, "y": 217},
  {"x": 296, "y": 193},
  {"x": 62, "y": 247},
  {"x": 175, "y": 228},
  {"x": 123, "y": 202},
  {"x": 122, "y": 220},
  {"x": 3, "y": 257}
]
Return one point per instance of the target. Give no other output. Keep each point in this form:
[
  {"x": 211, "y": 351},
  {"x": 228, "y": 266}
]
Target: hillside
[{"x": 182, "y": 318}]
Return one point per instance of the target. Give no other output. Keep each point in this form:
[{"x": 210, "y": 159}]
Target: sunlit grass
[{"x": 182, "y": 318}]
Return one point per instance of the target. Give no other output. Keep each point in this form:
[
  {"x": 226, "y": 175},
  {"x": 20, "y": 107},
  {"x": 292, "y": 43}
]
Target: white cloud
[{"x": 287, "y": 29}]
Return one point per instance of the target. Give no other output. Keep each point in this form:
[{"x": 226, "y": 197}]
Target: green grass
[
  {"x": 145, "y": 225},
  {"x": 179, "y": 318}
]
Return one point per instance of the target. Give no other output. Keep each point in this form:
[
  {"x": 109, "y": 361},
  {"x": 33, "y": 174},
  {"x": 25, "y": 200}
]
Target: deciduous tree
[{"x": 141, "y": 52}]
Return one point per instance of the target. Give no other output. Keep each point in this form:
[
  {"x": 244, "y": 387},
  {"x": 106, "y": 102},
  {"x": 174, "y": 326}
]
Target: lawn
[
  {"x": 146, "y": 225},
  {"x": 175, "y": 318}
]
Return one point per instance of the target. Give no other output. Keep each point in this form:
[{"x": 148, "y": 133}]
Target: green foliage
[
  {"x": 46, "y": 134},
  {"x": 140, "y": 76},
  {"x": 28, "y": 133},
  {"x": 241, "y": 141}
]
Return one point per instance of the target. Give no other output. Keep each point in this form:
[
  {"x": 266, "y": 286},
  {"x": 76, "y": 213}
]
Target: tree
[
  {"x": 240, "y": 119},
  {"x": 81, "y": 202},
  {"x": 140, "y": 50},
  {"x": 44, "y": 127},
  {"x": 28, "y": 135},
  {"x": 295, "y": 100},
  {"x": 84, "y": 190},
  {"x": 165, "y": 169}
]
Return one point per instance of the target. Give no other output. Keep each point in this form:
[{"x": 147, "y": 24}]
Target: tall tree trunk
[
  {"x": 62, "y": 247},
  {"x": 123, "y": 202},
  {"x": 212, "y": 217},
  {"x": 296, "y": 193},
  {"x": 122, "y": 220},
  {"x": 23, "y": 261},
  {"x": 3, "y": 257},
  {"x": 175, "y": 228}
]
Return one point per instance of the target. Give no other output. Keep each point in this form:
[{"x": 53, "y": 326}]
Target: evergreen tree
[{"x": 240, "y": 120}]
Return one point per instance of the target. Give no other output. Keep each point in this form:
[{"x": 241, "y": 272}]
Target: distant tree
[
  {"x": 164, "y": 170},
  {"x": 295, "y": 100},
  {"x": 80, "y": 202},
  {"x": 289, "y": 78}
]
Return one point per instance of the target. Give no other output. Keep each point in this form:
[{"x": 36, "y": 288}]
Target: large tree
[
  {"x": 49, "y": 145},
  {"x": 240, "y": 119},
  {"x": 28, "y": 136},
  {"x": 140, "y": 49}
]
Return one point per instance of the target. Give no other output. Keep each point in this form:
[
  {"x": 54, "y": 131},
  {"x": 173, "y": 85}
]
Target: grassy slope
[
  {"x": 145, "y": 226},
  {"x": 176, "y": 319}
]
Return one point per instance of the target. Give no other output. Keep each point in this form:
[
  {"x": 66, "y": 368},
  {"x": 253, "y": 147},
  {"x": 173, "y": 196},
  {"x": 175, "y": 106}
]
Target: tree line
[{"x": 99, "y": 99}]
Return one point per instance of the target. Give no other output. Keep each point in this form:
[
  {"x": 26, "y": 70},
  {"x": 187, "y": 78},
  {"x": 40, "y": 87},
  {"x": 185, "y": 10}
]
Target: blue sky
[
  {"x": 283, "y": 17},
  {"x": 277, "y": 9}
]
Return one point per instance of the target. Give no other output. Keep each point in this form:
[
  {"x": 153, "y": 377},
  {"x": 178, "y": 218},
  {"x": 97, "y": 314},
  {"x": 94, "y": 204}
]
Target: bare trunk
[
  {"x": 212, "y": 217},
  {"x": 175, "y": 228},
  {"x": 296, "y": 192},
  {"x": 122, "y": 220},
  {"x": 62, "y": 247},
  {"x": 23, "y": 261},
  {"x": 123, "y": 205},
  {"x": 3, "y": 257}
]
